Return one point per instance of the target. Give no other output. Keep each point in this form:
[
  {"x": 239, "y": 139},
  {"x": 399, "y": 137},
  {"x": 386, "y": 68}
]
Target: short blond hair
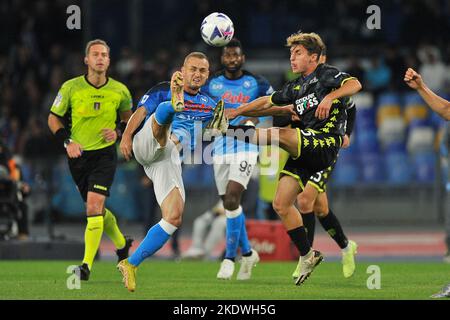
[
  {"x": 312, "y": 42},
  {"x": 94, "y": 42},
  {"x": 195, "y": 54}
]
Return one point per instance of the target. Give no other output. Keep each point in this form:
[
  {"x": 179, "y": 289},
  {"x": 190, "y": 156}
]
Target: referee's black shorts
[
  {"x": 94, "y": 171},
  {"x": 317, "y": 152}
]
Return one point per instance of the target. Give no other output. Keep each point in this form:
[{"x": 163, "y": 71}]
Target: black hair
[
  {"x": 234, "y": 43},
  {"x": 324, "y": 51}
]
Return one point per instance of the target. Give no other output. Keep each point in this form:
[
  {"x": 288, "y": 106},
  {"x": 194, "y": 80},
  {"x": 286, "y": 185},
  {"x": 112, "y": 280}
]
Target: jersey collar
[
  {"x": 312, "y": 74},
  {"x": 190, "y": 94},
  {"x": 240, "y": 77},
  {"x": 86, "y": 79},
  {"x": 309, "y": 76}
]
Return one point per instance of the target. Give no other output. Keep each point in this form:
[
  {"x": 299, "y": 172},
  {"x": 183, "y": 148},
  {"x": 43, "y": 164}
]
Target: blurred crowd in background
[{"x": 38, "y": 53}]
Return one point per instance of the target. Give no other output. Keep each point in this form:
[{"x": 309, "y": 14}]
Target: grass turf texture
[{"x": 197, "y": 280}]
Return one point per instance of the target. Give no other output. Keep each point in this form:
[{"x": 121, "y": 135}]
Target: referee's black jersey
[{"x": 305, "y": 93}]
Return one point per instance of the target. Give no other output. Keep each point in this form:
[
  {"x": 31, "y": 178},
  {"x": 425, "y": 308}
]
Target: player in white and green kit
[{"x": 91, "y": 103}]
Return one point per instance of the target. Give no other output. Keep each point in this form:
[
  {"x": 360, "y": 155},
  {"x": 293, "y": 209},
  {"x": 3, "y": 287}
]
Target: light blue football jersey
[{"x": 234, "y": 93}]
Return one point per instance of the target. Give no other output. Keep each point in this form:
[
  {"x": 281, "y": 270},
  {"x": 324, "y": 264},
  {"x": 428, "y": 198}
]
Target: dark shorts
[
  {"x": 320, "y": 179},
  {"x": 94, "y": 171},
  {"x": 317, "y": 151}
]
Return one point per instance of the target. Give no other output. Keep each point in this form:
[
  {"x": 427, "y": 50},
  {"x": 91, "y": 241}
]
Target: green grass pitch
[{"x": 196, "y": 281}]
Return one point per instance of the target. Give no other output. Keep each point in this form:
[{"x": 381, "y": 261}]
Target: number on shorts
[
  {"x": 317, "y": 177},
  {"x": 245, "y": 167},
  {"x": 307, "y": 133}
]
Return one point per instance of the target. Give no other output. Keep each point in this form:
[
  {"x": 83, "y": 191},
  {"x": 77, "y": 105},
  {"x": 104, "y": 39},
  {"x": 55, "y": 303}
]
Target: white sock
[
  {"x": 233, "y": 213},
  {"x": 167, "y": 227}
]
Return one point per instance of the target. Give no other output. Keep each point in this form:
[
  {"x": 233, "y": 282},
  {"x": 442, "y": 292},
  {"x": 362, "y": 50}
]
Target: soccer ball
[{"x": 217, "y": 29}]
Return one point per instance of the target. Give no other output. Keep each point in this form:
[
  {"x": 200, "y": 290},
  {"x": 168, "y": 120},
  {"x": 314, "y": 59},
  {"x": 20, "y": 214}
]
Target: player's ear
[
  {"x": 85, "y": 60},
  {"x": 316, "y": 57}
]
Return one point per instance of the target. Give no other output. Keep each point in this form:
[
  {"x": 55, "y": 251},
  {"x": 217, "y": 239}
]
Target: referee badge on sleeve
[{"x": 58, "y": 100}]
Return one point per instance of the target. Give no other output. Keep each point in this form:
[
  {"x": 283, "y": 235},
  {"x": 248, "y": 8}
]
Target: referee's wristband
[{"x": 62, "y": 135}]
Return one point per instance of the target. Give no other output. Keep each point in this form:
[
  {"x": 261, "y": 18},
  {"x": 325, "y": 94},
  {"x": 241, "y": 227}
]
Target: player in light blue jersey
[
  {"x": 235, "y": 160},
  {"x": 165, "y": 116}
]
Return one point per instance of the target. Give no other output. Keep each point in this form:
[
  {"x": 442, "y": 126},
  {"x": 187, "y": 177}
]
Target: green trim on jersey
[{"x": 92, "y": 109}]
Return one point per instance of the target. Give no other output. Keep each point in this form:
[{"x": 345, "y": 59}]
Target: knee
[
  {"x": 305, "y": 203},
  {"x": 231, "y": 201},
  {"x": 94, "y": 208},
  {"x": 175, "y": 220},
  {"x": 280, "y": 208}
]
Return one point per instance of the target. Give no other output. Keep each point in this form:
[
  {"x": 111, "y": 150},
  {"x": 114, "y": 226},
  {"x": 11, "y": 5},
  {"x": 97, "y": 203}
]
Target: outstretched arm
[
  {"x": 256, "y": 108},
  {"x": 437, "y": 103},
  {"x": 272, "y": 111}
]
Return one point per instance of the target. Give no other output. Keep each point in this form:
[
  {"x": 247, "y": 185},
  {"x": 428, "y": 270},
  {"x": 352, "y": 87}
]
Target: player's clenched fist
[
  {"x": 323, "y": 110},
  {"x": 413, "y": 79},
  {"x": 74, "y": 150},
  {"x": 109, "y": 134}
]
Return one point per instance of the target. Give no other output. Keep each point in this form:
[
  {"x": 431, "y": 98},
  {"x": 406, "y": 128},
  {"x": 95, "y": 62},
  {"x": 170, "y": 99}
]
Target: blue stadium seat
[
  {"x": 389, "y": 99},
  {"x": 420, "y": 136},
  {"x": 395, "y": 147},
  {"x": 437, "y": 121},
  {"x": 372, "y": 171},
  {"x": 398, "y": 169},
  {"x": 346, "y": 172},
  {"x": 412, "y": 98},
  {"x": 367, "y": 141},
  {"x": 353, "y": 147},
  {"x": 365, "y": 119},
  {"x": 424, "y": 167},
  {"x": 391, "y": 131}
]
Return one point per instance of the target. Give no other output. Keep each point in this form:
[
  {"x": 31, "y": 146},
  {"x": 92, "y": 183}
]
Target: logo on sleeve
[
  {"x": 144, "y": 98},
  {"x": 58, "y": 100}
]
